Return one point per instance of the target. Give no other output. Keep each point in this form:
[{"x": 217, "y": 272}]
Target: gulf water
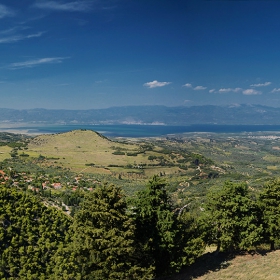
[{"x": 151, "y": 130}]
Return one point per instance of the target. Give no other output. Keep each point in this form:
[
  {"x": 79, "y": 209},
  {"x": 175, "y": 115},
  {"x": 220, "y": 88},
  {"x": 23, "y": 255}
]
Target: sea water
[{"x": 150, "y": 130}]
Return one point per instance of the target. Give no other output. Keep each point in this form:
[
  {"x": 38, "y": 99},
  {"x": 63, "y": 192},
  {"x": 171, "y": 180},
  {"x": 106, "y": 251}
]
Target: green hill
[{"x": 88, "y": 151}]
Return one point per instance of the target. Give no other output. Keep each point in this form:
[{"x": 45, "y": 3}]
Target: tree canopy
[
  {"x": 232, "y": 218},
  {"x": 103, "y": 237},
  {"x": 270, "y": 209},
  {"x": 30, "y": 234},
  {"x": 161, "y": 235}
]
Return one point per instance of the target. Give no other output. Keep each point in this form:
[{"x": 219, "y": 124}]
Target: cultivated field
[{"x": 5, "y": 152}]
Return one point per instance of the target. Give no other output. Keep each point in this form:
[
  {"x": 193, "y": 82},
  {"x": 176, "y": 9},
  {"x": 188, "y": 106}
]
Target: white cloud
[
  {"x": 33, "y": 63},
  {"x": 212, "y": 90},
  {"x": 5, "y": 11},
  {"x": 155, "y": 84},
  {"x": 275, "y": 90},
  {"x": 200, "y": 88},
  {"x": 261, "y": 85},
  {"x": 75, "y": 6},
  {"x": 224, "y": 90},
  {"x": 251, "y": 92},
  {"x": 16, "y": 38},
  {"x": 188, "y": 85}
]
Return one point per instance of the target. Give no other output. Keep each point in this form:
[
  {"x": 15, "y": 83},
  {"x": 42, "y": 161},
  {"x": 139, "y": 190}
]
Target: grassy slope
[
  {"x": 77, "y": 148},
  {"x": 5, "y": 152},
  {"x": 258, "y": 266}
]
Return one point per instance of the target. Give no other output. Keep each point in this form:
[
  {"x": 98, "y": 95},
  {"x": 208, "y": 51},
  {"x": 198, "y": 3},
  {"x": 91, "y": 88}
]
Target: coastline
[
  {"x": 21, "y": 131},
  {"x": 139, "y": 131}
]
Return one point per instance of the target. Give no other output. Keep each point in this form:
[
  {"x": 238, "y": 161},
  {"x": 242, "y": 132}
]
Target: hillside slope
[
  {"x": 257, "y": 266},
  {"x": 77, "y": 148},
  {"x": 88, "y": 151}
]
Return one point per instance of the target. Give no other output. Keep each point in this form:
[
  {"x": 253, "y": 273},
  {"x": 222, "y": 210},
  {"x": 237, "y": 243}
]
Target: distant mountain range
[{"x": 162, "y": 115}]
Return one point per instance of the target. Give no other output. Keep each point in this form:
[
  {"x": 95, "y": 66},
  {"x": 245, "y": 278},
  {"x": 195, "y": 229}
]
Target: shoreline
[
  {"x": 137, "y": 131},
  {"x": 21, "y": 131}
]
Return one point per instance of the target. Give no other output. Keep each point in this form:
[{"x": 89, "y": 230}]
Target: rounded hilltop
[
  {"x": 90, "y": 152},
  {"x": 78, "y": 148},
  {"x": 70, "y": 138}
]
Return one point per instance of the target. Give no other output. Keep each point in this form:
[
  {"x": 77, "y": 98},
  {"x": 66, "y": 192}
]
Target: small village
[{"x": 31, "y": 182}]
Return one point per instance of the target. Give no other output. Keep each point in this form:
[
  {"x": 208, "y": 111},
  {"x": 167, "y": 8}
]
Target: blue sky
[{"x": 104, "y": 53}]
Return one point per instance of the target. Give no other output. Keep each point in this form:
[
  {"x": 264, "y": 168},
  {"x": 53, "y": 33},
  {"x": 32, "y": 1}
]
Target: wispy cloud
[
  {"x": 261, "y": 85},
  {"x": 36, "y": 62},
  {"x": 16, "y": 38},
  {"x": 225, "y": 90},
  {"x": 11, "y": 39},
  {"x": 251, "y": 92},
  {"x": 188, "y": 85},
  {"x": 13, "y": 30},
  {"x": 212, "y": 90},
  {"x": 275, "y": 90},
  {"x": 39, "y": 34},
  {"x": 5, "y": 11},
  {"x": 155, "y": 84},
  {"x": 200, "y": 88},
  {"x": 75, "y": 6}
]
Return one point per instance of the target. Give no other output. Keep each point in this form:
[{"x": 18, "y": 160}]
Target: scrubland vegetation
[{"x": 80, "y": 206}]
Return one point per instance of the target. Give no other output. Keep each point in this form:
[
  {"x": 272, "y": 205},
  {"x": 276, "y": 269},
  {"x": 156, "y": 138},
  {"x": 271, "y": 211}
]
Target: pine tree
[
  {"x": 190, "y": 238},
  {"x": 157, "y": 228},
  {"x": 232, "y": 218},
  {"x": 270, "y": 208},
  {"x": 103, "y": 241},
  {"x": 30, "y": 234}
]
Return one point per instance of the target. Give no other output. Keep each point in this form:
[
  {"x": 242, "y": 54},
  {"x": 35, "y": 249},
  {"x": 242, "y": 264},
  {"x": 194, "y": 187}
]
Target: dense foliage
[
  {"x": 103, "y": 237},
  {"x": 232, "y": 218},
  {"x": 161, "y": 235},
  {"x": 270, "y": 208},
  {"x": 109, "y": 239},
  {"x": 30, "y": 234},
  {"x": 106, "y": 239},
  {"x": 156, "y": 227}
]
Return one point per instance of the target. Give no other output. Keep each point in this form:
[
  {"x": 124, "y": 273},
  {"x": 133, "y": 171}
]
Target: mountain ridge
[{"x": 243, "y": 114}]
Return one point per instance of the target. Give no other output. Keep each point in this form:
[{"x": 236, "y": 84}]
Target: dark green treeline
[{"x": 109, "y": 238}]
